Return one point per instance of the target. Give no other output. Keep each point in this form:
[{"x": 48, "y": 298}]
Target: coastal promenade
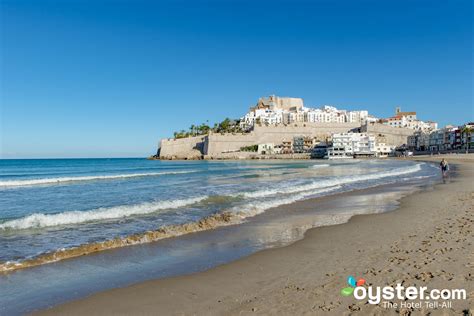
[{"x": 427, "y": 241}]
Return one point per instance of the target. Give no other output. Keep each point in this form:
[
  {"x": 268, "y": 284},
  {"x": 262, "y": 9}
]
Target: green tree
[
  {"x": 466, "y": 133},
  {"x": 224, "y": 125},
  {"x": 203, "y": 129}
]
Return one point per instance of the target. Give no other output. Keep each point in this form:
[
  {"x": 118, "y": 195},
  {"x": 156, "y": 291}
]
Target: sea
[{"x": 87, "y": 225}]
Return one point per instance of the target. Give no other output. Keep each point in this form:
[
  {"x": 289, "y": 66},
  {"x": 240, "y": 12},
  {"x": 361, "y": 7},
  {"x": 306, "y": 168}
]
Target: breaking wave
[
  {"x": 257, "y": 207},
  {"x": 206, "y": 223},
  {"x": 299, "y": 192},
  {"x": 333, "y": 182},
  {"x": 40, "y": 220},
  {"x": 232, "y": 217},
  {"x": 271, "y": 198},
  {"x": 30, "y": 182}
]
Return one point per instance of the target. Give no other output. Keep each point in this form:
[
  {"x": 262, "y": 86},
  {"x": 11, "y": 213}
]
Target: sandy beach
[{"x": 427, "y": 241}]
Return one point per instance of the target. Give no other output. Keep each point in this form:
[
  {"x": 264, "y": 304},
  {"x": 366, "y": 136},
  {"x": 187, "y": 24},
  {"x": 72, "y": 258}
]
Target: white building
[
  {"x": 409, "y": 120},
  {"x": 348, "y": 145},
  {"x": 274, "y": 110},
  {"x": 371, "y": 119},
  {"x": 357, "y": 116},
  {"x": 266, "y": 149},
  {"x": 383, "y": 150}
]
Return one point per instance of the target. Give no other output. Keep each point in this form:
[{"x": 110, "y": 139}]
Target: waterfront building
[
  {"x": 436, "y": 140},
  {"x": 352, "y": 144},
  {"x": 287, "y": 147},
  {"x": 455, "y": 139},
  {"x": 266, "y": 149},
  {"x": 319, "y": 151},
  {"x": 383, "y": 150},
  {"x": 412, "y": 141},
  {"x": 278, "y": 149},
  {"x": 298, "y": 144},
  {"x": 447, "y": 138},
  {"x": 419, "y": 141},
  {"x": 303, "y": 144},
  {"x": 467, "y": 139}
]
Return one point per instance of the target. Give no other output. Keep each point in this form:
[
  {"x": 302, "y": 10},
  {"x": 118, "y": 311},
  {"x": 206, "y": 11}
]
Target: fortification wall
[
  {"x": 218, "y": 143},
  {"x": 215, "y": 145},
  {"x": 182, "y": 148},
  {"x": 278, "y": 133},
  {"x": 390, "y": 135}
]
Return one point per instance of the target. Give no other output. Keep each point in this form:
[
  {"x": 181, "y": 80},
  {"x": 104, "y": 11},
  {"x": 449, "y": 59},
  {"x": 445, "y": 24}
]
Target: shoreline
[
  {"x": 242, "y": 156},
  {"x": 209, "y": 222},
  {"x": 274, "y": 280}
]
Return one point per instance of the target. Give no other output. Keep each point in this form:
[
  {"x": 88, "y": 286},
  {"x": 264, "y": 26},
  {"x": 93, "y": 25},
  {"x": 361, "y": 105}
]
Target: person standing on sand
[{"x": 444, "y": 167}]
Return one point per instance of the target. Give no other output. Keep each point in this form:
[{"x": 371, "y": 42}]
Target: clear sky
[{"x": 110, "y": 78}]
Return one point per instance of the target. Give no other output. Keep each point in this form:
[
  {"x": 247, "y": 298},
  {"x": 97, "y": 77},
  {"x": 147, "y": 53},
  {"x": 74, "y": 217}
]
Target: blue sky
[{"x": 110, "y": 78}]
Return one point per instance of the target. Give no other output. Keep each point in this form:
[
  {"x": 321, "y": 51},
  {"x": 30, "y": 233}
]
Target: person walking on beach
[{"x": 444, "y": 167}]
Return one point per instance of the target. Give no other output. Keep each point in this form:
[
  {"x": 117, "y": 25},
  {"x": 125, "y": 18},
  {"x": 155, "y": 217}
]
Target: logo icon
[{"x": 353, "y": 283}]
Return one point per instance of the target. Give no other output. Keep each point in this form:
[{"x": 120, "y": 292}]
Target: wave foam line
[
  {"x": 324, "y": 165},
  {"x": 40, "y": 220},
  {"x": 255, "y": 208},
  {"x": 206, "y": 223},
  {"x": 333, "y": 182},
  {"x": 30, "y": 182},
  {"x": 210, "y": 222}
]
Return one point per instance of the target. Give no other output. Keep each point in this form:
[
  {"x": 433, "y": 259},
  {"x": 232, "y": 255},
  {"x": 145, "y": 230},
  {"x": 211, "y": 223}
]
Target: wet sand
[{"x": 428, "y": 241}]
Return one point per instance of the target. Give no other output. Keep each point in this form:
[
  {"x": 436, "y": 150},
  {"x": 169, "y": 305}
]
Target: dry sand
[{"x": 428, "y": 241}]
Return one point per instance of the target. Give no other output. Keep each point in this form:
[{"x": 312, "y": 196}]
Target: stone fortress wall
[
  {"x": 182, "y": 148},
  {"x": 217, "y": 145},
  {"x": 388, "y": 134}
]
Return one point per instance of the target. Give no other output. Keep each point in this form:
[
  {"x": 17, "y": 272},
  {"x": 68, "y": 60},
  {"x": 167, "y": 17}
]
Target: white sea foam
[
  {"x": 257, "y": 207},
  {"x": 333, "y": 182},
  {"x": 40, "y": 220},
  {"x": 324, "y": 165},
  {"x": 418, "y": 178},
  {"x": 30, "y": 182}
]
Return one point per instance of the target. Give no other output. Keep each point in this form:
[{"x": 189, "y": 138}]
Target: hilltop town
[{"x": 282, "y": 127}]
